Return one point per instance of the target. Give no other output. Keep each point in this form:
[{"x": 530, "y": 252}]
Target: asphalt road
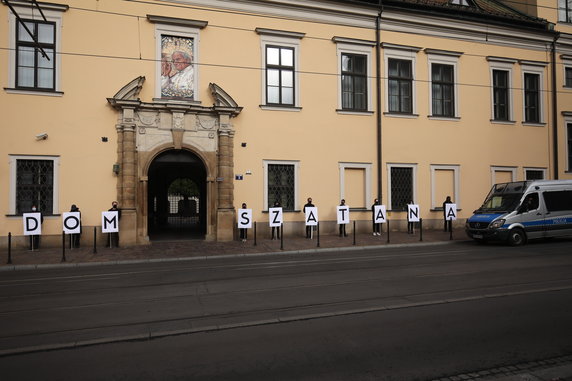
[{"x": 421, "y": 312}]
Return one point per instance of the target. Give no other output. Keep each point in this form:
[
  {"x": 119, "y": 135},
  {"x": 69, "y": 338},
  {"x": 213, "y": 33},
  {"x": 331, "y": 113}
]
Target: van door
[
  {"x": 558, "y": 212},
  {"x": 531, "y": 215}
]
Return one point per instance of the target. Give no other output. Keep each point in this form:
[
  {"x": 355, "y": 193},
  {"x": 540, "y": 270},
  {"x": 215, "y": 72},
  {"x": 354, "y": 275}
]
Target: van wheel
[{"x": 516, "y": 237}]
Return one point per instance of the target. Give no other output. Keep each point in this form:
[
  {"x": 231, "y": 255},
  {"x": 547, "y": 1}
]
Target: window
[
  {"x": 558, "y": 200},
  {"x": 354, "y": 82},
  {"x": 401, "y": 185},
  {"x": 501, "y": 88},
  {"x": 400, "y": 85},
  {"x": 35, "y": 67},
  {"x": 280, "y": 50},
  {"x": 442, "y": 90},
  {"x": 355, "y": 184},
  {"x": 34, "y": 43},
  {"x": 534, "y": 174},
  {"x": 565, "y": 10},
  {"x": 569, "y": 138},
  {"x": 568, "y": 76},
  {"x": 501, "y": 175},
  {"x": 531, "y": 98},
  {"x": 279, "y": 76},
  {"x": 33, "y": 182},
  {"x": 177, "y": 51},
  {"x": 281, "y": 179}
]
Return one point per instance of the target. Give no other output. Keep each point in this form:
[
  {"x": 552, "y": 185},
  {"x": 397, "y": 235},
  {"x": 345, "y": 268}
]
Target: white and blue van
[{"x": 518, "y": 211}]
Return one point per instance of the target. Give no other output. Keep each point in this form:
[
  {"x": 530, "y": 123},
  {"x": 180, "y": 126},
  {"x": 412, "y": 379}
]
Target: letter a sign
[
  {"x": 244, "y": 218},
  {"x": 311, "y": 216},
  {"x": 379, "y": 214},
  {"x": 450, "y": 212}
]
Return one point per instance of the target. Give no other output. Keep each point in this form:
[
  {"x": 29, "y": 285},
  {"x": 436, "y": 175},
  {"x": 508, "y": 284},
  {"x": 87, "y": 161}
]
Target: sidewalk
[{"x": 171, "y": 250}]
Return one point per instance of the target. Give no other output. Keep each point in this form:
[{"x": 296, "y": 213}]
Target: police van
[{"x": 518, "y": 211}]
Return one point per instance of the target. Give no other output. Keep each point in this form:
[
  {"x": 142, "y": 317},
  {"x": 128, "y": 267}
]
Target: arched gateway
[{"x": 175, "y": 161}]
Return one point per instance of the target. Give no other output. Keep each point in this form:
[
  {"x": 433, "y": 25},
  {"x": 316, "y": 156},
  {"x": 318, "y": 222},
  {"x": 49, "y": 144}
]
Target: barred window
[
  {"x": 568, "y": 74},
  {"x": 281, "y": 183},
  {"x": 401, "y": 187},
  {"x": 569, "y": 144},
  {"x": 534, "y": 174},
  {"x": 34, "y": 185}
]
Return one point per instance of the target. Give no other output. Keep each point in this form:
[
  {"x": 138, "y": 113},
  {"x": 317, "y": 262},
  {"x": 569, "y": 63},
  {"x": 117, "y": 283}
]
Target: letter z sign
[{"x": 275, "y": 217}]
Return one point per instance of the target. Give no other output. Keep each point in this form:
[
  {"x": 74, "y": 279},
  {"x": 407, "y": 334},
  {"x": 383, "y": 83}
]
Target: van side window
[
  {"x": 558, "y": 200},
  {"x": 529, "y": 203}
]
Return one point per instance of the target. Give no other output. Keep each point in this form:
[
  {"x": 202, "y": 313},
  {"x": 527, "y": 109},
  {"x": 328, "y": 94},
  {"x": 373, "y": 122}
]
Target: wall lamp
[{"x": 116, "y": 168}]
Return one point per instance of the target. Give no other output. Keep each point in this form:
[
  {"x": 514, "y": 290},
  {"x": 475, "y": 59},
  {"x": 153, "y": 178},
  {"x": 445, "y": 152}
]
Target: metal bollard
[
  {"x": 318, "y": 232},
  {"x": 63, "y": 246},
  {"x": 282, "y": 236},
  {"x": 9, "y": 249},
  {"x": 421, "y": 229},
  {"x": 254, "y": 233},
  {"x": 94, "y": 240},
  {"x": 354, "y": 233},
  {"x": 387, "y": 231}
]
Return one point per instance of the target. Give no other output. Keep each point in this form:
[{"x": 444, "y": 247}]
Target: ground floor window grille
[
  {"x": 401, "y": 187},
  {"x": 281, "y": 179},
  {"x": 34, "y": 185}
]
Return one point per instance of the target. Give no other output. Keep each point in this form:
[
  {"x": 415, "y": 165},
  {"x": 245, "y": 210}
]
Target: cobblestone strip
[{"x": 510, "y": 370}]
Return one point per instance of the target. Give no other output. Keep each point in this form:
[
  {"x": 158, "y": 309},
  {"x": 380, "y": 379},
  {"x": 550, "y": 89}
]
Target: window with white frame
[
  {"x": 569, "y": 144},
  {"x": 354, "y": 71},
  {"x": 280, "y": 63},
  {"x": 34, "y": 46},
  {"x": 567, "y": 76},
  {"x": 401, "y": 185},
  {"x": 534, "y": 173},
  {"x": 533, "y": 94},
  {"x": 444, "y": 182},
  {"x": 443, "y": 94},
  {"x": 33, "y": 181},
  {"x": 355, "y": 184},
  {"x": 501, "y": 88},
  {"x": 565, "y": 11},
  {"x": 400, "y": 62},
  {"x": 281, "y": 183},
  {"x": 177, "y": 50}
]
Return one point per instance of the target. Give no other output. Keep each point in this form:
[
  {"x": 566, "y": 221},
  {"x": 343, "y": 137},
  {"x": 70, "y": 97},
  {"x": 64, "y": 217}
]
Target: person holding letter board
[
  {"x": 113, "y": 238},
  {"x": 308, "y": 228},
  {"x": 276, "y": 228},
  {"x": 376, "y": 226},
  {"x": 343, "y": 217}
]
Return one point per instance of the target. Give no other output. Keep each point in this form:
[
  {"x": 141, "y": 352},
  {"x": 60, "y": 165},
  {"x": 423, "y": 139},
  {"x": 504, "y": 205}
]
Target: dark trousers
[
  {"x": 277, "y": 230},
  {"x": 447, "y": 225},
  {"x": 34, "y": 242},
  {"x": 343, "y": 230},
  {"x": 112, "y": 239},
  {"x": 243, "y": 233},
  {"x": 74, "y": 240},
  {"x": 308, "y": 231},
  {"x": 410, "y": 227},
  {"x": 376, "y": 228}
]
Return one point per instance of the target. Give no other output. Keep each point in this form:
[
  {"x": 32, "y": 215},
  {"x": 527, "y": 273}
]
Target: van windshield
[{"x": 503, "y": 198}]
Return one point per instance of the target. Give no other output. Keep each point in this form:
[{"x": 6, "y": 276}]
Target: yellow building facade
[{"x": 183, "y": 110}]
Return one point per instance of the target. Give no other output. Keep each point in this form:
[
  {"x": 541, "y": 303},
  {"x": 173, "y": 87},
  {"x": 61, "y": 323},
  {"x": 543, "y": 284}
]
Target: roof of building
[{"x": 490, "y": 10}]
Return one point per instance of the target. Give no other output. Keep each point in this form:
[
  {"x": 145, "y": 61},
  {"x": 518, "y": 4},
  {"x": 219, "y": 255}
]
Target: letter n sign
[
  {"x": 109, "y": 222},
  {"x": 450, "y": 212},
  {"x": 413, "y": 213}
]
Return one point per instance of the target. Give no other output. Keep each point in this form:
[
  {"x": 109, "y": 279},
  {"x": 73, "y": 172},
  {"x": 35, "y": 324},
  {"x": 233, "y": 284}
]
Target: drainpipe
[
  {"x": 378, "y": 100},
  {"x": 554, "y": 107}
]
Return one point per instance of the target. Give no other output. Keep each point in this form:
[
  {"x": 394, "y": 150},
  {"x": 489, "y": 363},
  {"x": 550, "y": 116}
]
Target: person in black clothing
[
  {"x": 276, "y": 228},
  {"x": 410, "y": 224},
  {"x": 113, "y": 238},
  {"x": 446, "y": 223},
  {"x": 243, "y": 232},
  {"x": 75, "y": 238},
  {"x": 343, "y": 226},
  {"x": 308, "y": 228},
  {"x": 35, "y": 239},
  {"x": 376, "y": 227}
]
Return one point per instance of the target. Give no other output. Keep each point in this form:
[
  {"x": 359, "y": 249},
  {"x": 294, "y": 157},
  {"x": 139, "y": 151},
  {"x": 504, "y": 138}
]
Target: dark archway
[{"x": 177, "y": 196}]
